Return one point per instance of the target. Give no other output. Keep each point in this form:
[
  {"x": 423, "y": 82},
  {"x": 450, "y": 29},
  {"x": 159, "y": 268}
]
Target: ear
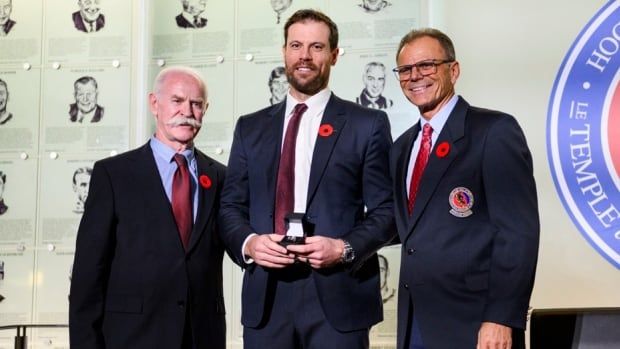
[
  {"x": 206, "y": 107},
  {"x": 153, "y": 104},
  {"x": 455, "y": 71},
  {"x": 334, "y": 55}
]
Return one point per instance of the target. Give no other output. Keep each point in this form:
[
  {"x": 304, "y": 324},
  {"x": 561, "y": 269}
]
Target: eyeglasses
[{"x": 424, "y": 68}]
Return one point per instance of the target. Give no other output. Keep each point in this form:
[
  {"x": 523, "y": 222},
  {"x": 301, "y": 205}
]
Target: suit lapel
[
  {"x": 272, "y": 135},
  {"x": 334, "y": 115},
  {"x": 155, "y": 198},
  {"x": 452, "y": 132},
  {"x": 402, "y": 166},
  {"x": 207, "y": 192}
]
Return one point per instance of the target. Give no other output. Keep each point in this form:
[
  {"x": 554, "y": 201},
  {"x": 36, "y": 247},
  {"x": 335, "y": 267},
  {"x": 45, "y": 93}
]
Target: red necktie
[
  {"x": 285, "y": 186},
  {"x": 181, "y": 200},
  {"x": 420, "y": 164}
]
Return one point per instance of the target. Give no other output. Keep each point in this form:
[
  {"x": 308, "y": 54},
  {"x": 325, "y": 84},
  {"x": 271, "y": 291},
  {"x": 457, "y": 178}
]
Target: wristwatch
[{"x": 348, "y": 255}]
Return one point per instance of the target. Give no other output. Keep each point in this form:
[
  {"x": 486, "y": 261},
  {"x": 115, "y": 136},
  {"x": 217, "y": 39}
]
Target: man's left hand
[
  {"x": 494, "y": 336},
  {"x": 319, "y": 251}
]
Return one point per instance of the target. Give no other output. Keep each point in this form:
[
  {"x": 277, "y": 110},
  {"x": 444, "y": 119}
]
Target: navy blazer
[
  {"x": 457, "y": 272},
  {"x": 349, "y": 171},
  {"x": 132, "y": 278}
]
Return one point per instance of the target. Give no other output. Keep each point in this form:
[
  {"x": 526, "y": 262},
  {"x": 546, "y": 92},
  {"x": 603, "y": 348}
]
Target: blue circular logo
[{"x": 583, "y": 132}]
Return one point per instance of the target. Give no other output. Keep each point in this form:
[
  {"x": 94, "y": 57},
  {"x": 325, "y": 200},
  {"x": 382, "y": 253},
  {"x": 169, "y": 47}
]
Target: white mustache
[{"x": 182, "y": 121}]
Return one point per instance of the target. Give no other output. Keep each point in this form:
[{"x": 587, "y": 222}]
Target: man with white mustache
[
  {"x": 323, "y": 158},
  {"x": 148, "y": 261}
]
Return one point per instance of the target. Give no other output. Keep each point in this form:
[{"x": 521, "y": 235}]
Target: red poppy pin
[
  {"x": 205, "y": 181},
  {"x": 326, "y": 130},
  {"x": 442, "y": 150}
]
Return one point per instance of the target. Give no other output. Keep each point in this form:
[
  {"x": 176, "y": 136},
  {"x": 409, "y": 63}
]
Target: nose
[
  {"x": 304, "y": 54},
  {"x": 415, "y": 74},
  {"x": 186, "y": 108}
]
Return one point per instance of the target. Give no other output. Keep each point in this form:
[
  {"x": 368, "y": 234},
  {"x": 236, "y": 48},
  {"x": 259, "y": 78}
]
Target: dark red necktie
[
  {"x": 420, "y": 164},
  {"x": 182, "y": 199},
  {"x": 285, "y": 186}
]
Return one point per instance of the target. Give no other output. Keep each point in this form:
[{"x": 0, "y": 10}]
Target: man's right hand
[{"x": 266, "y": 251}]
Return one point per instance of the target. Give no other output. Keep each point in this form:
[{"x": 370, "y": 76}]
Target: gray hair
[
  {"x": 436, "y": 34},
  {"x": 166, "y": 72}
]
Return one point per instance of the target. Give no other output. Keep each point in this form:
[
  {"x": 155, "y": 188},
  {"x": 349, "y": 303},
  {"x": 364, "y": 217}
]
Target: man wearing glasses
[{"x": 465, "y": 208}]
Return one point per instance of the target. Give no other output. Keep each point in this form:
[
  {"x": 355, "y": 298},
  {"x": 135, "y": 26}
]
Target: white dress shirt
[
  {"x": 304, "y": 146},
  {"x": 306, "y": 139}
]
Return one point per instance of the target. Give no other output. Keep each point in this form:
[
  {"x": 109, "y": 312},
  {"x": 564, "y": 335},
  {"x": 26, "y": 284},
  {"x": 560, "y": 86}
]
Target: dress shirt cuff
[{"x": 246, "y": 259}]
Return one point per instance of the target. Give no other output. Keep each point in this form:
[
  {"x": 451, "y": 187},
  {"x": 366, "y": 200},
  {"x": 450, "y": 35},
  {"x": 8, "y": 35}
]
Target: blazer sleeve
[
  {"x": 93, "y": 254},
  {"x": 513, "y": 210},
  {"x": 378, "y": 227},
  {"x": 234, "y": 219}
]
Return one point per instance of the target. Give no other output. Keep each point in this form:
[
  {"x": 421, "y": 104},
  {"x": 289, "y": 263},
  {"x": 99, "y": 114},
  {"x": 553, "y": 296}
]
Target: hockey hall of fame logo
[{"x": 583, "y": 132}]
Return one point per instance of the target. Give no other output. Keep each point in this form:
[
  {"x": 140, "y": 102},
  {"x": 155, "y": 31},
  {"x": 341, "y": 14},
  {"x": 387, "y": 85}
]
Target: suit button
[
  {"x": 410, "y": 251},
  {"x": 181, "y": 304},
  {"x": 406, "y": 286}
]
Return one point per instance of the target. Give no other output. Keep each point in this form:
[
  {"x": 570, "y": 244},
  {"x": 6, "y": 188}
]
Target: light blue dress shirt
[{"x": 164, "y": 158}]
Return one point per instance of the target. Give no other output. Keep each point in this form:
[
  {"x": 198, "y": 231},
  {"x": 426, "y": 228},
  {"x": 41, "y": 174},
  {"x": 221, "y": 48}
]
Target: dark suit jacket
[
  {"x": 78, "y": 22},
  {"x": 182, "y": 22},
  {"x": 458, "y": 272},
  {"x": 132, "y": 278},
  {"x": 349, "y": 170},
  {"x": 73, "y": 113}
]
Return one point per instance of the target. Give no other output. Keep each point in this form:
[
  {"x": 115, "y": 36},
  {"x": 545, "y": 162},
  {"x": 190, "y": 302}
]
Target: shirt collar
[
  {"x": 166, "y": 153},
  {"x": 317, "y": 102},
  {"x": 439, "y": 120}
]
